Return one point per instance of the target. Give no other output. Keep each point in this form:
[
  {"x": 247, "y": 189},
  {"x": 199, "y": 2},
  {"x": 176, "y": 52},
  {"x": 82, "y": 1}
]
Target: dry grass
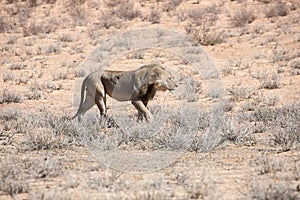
[
  {"x": 252, "y": 132},
  {"x": 242, "y": 16},
  {"x": 126, "y": 11},
  {"x": 200, "y": 26},
  {"x": 9, "y": 96},
  {"x": 154, "y": 17},
  {"x": 277, "y": 9}
]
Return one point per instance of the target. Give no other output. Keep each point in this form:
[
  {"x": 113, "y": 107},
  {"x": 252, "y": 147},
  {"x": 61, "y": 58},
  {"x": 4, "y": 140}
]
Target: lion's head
[{"x": 164, "y": 79}]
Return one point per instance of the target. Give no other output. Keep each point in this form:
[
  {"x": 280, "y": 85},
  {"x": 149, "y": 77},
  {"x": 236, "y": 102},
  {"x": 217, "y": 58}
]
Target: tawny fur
[{"x": 138, "y": 86}]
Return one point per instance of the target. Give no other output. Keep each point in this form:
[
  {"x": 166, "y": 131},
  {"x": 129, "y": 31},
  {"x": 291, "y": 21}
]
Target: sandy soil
[{"x": 237, "y": 132}]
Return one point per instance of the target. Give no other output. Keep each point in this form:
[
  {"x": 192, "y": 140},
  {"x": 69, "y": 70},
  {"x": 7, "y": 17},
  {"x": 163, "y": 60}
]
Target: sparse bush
[
  {"x": 154, "y": 17},
  {"x": 191, "y": 90},
  {"x": 21, "y": 80},
  {"x": 35, "y": 29},
  {"x": 108, "y": 20},
  {"x": 74, "y": 3},
  {"x": 227, "y": 105},
  {"x": 49, "y": 132},
  {"x": 60, "y": 76},
  {"x": 11, "y": 178},
  {"x": 171, "y": 5},
  {"x": 43, "y": 167},
  {"x": 270, "y": 82},
  {"x": 242, "y": 17},
  {"x": 51, "y": 1},
  {"x": 53, "y": 48},
  {"x": 284, "y": 140},
  {"x": 240, "y": 93},
  {"x": 11, "y": 1},
  {"x": 7, "y": 76},
  {"x": 66, "y": 38},
  {"x": 277, "y": 9},
  {"x": 17, "y": 66},
  {"x": 138, "y": 54},
  {"x": 234, "y": 64},
  {"x": 287, "y": 129},
  {"x": 9, "y": 96},
  {"x": 15, "y": 173},
  {"x": 127, "y": 11},
  {"x": 45, "y": 131},
  {"x": 228, "y": 70},
  {"x": 44, "y": 138},
  {"x": 205, "y": 35},
  {"x": 34, "y": 95},
  {"x": 79, "y": 16},
  {"x": 265, "y": 1},
  {"x": 200, "y": 26},
  {"x": 273, "y": 190},
  {"x": 32, "y": 3},
  {"x": 206, "y": 16},
  {"x": 11, "y": 40},
  {"x": 5, "y": 25},
  {"x": 268, "y": 165},
  {"x": 295, "y": 4},
  {"x": 182, "y": 15},
  {"x": 283, "y": 122},
  {"x": 113, "y": 3},
  {"x": 295, "y": 64},
  {"x": 24, "y": 12},
  {"x": 76, "y": 49}
]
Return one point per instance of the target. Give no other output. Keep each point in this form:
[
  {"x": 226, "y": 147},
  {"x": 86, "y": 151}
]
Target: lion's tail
[{"x": 81, "y": 97}]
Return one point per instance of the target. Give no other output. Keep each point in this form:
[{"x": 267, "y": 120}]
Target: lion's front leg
[{"x": 142, "y": 111}]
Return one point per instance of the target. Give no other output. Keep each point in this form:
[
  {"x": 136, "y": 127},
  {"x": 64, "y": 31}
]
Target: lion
[{"x": 138, "y": 86}]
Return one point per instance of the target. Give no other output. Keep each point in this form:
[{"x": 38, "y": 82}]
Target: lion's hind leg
[{"x": 100, "y": 100}]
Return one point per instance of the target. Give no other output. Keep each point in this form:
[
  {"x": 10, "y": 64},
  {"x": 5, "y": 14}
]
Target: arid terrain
[{"x": 230, "y": 131}]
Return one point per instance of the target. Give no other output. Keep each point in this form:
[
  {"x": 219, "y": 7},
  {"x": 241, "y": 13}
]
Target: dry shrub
[
  {"x": 32, "y": 3},
  {"x": 273, "y": 191},
  {"x": 265, "y": 1},
  {"x": 287, "y": 130},
  {"x": 126, "y": 11},
  {"x": 5, "y": 24},
  {"x": 50, "y": 1},
  {"x": 112, "y": 3},
  {"x": 154, "y": 17},
  {"x": 206, "y": 16},
  {"x": 12, "y": 180},
  {"x": 74, "y": 3},
  {"x": 171, "y": 5},
  {"x": 8, "y": 76},
  {"x": 23, "y": 14},
  {"x": 242, "y": 17},
  {"x": 278, "y": 9},
  {"x": 79, "y": 16},
  {"x": 12, "y": 1},
  {"x": 270, "y": 81},
  {"x": 201, "y": 24},
  {"x": 34, "y": 29},
  {"x": 109, "y": 20},
  {"x": 239, "y": 93},
  {"x": 295, "y": 4},
  {"x": 182, "y": 15},
  {"x": 9, "y": 96},
  {"x": 204, "y": 35}
]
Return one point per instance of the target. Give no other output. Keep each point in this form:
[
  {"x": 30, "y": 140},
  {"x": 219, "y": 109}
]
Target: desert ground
[{"x": 230, "y": 131}]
